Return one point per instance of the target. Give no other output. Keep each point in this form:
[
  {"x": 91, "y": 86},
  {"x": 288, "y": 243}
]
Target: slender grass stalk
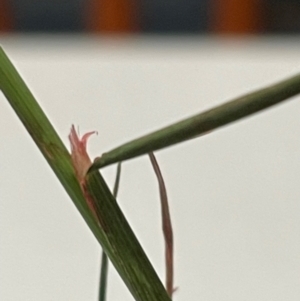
[
  {"x": 202, "y": 123},
  {"x": 104, "y": 259},
  {"x": 103, "y": 277},
  {"x": 116, "y": 237},
  {"x": 166, "y": 226}
]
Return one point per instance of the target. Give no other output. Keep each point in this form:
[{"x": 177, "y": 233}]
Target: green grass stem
[{"x": 116, "y": 237}]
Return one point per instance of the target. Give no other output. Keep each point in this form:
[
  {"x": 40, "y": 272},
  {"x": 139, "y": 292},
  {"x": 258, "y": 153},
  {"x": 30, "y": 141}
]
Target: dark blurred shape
[
  {"x": 174, "y": 16},
  {"x": 151, "y": 16},
  {"x": 282, "y": 16},
  {"x": 6, "y": 19},
  {"x": 48, "y": 16},
  {"x": 112, "y": 16},
  {"x": 236, "y": 16}
]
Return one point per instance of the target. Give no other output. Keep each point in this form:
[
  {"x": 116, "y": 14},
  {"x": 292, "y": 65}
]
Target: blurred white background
[{"x": 234, "y": 194}]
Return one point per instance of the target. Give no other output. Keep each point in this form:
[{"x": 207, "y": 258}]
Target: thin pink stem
[{"x": 166, "y": 226}]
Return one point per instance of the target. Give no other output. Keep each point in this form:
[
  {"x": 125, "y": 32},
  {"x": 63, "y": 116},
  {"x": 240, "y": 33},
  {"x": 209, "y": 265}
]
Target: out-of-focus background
[
  {"x": 126, "y": 68},
  {"x": 156, "y": 16}
]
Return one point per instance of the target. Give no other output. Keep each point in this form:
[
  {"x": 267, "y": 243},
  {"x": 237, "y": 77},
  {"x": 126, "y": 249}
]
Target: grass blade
[
  {"x": 120, "y": 244},
  {"x": 202, "y": 123}
]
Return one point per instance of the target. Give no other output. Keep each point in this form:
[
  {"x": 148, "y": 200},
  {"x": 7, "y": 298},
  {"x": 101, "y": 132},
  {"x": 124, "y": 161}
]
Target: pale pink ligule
[
  {"x": 79, "y": 155},
  {"x": 81, "y": 162}
]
